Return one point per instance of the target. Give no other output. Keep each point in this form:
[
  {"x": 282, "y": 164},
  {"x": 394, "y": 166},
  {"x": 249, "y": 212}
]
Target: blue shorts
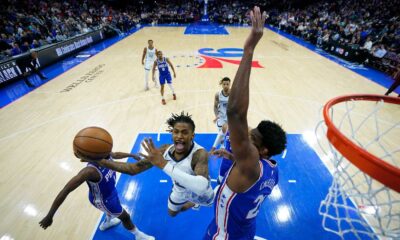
[
  {"x": 165, "y": 77},
  {"x": 110, "y": 206}
]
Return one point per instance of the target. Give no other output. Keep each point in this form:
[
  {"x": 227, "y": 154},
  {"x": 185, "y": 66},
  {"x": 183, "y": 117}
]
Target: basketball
[{"x": 93, "y": 142}]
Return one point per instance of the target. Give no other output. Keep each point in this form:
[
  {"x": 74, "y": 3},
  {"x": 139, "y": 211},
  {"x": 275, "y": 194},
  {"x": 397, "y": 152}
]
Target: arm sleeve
[{"x": 196, "y": 184}]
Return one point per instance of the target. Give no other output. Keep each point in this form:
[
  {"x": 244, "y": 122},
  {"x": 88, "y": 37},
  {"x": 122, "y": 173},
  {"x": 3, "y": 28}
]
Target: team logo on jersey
[{"x": 215, "y": 58}]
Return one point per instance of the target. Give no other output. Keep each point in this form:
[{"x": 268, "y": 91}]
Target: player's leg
[
  {"x": 155, "y": 77},
  {"x": 176, "y": 201},
  {"x": 116, "y": 214},
  {"x": 146, "y": 79},
  {"x": 128, "y": 224},
  {"x": 110, "y": 220},
  {"x": 169, "y": 81},
  {"x": 162, "y": 83},
  {"x": 222, "y": 127}
]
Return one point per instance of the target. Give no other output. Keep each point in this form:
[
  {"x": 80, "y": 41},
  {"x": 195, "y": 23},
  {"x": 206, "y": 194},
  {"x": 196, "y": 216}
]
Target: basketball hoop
[{"x": 361, "y": 139}]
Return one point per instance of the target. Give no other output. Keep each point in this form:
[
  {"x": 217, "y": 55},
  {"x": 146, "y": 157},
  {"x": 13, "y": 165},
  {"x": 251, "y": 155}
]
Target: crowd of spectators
[
  {"x": 25, "y": 25},
  {"x": 370, "y": 26}
]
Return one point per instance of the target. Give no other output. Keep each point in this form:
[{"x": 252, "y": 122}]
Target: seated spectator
[
  {"x": 25, "y": 47},
  {"x": 367, "y": 45},
  {"x": 35, "y": 44},
  {"x": 15, "y": 50}
]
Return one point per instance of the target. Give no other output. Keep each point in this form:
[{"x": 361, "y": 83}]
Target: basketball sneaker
[
  {"x": 108, "y": 224},
  {"x": 142, "y": 236},
  {"x": 174, "y": 96}
]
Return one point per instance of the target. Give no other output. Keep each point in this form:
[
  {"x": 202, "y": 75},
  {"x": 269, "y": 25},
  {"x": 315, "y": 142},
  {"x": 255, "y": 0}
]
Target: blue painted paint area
[
  {"x": 222, "y": 52},
  {"x": 367, "y": 72},
  {"x": 17, "y": 89},
  {"x": 291, "y": 212},
  {"x": 206, "y": 29}
]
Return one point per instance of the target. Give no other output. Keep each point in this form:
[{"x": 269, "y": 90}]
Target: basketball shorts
[
  {"x": 179, "y": 196},
  {"x": 220, "y": 122},
  {"x": 110, "y": 206},
  {"x": 165, "y": 78},
  {"x": 148, "y": 65}
]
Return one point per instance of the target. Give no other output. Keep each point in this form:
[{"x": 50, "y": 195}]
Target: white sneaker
[
  {"x": 196, "y": 207},
  {"x": 108, "y": 224},
  {"x": 143, "y": 236}
]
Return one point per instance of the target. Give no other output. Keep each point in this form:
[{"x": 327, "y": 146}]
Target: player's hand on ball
[
  {"x": 46, "y": 222},
  {"x": 153, "y": 154}
]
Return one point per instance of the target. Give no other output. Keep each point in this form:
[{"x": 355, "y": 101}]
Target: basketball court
[{"x": 289, "y": 84}]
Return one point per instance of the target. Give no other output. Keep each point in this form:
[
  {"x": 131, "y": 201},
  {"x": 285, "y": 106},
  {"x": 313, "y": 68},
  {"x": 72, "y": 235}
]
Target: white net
[{"x": 358, "y": 206}]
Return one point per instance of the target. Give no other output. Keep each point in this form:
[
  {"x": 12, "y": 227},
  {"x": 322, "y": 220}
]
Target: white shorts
[
  {"x": 148, "y": 66},
  {"x": 220, "y": 122},
  {"x": 179, "y": 197}
]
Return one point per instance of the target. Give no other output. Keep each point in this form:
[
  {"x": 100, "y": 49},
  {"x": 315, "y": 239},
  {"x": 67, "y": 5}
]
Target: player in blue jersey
[
  {"x": 102, "y": 194},
  {"x": 253, "y": 173},
  {"x": 165, "y": 76}
]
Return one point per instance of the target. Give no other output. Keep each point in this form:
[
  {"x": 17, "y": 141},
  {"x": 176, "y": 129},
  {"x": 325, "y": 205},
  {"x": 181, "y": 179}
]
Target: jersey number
[{"x": 253, "y": 212}]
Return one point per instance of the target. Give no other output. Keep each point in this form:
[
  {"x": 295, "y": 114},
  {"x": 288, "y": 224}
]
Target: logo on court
[{"x": 215, "y": 58}]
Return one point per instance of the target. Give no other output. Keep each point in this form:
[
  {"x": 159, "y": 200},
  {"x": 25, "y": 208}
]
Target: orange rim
[{"x": 375, "y": 167}]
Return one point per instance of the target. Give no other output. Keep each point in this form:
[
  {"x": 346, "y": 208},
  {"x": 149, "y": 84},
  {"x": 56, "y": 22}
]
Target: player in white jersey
[
  {"x": 102, "y": 194},
  {"x": 184, "y": 161},
  {"x": 220, "y": 104},
  {"x": 148, "y": 58}
]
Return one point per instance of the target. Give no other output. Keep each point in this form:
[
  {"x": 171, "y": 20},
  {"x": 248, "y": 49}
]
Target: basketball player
[
  {"x": 253, "y": 174},
  {"x": 184, "y": 161},
  {"x": 220, "y": 104},
  {"x": 102, "y": 195},
  {"x": 396, "y": 77},
  {"x": 148, "y": 58},
  {"x": 165, "y": 76}
]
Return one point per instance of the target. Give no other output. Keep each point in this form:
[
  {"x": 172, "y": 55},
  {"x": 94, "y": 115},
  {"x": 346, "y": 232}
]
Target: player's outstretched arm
[
  {"x": 128, "y": 168},
  {"x": 172, "y": 66},
  {"x": 197, "y": 184},
  {"x": 86, "y": 174},
  {"x": 121, "y": 155},
  {"x": 246, "y": 154}
]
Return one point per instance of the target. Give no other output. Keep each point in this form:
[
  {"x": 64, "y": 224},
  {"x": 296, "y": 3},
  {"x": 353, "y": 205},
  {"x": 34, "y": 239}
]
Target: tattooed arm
[
  {"x": 200, "y": 163},
  {"x": 128, "y": 168}
]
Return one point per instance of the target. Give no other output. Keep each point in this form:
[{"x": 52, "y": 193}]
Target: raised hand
[
  {"x": 46, "y": 222},
  {"x": 257, "y": 28},
  {"x": 154, "y": 155}
]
